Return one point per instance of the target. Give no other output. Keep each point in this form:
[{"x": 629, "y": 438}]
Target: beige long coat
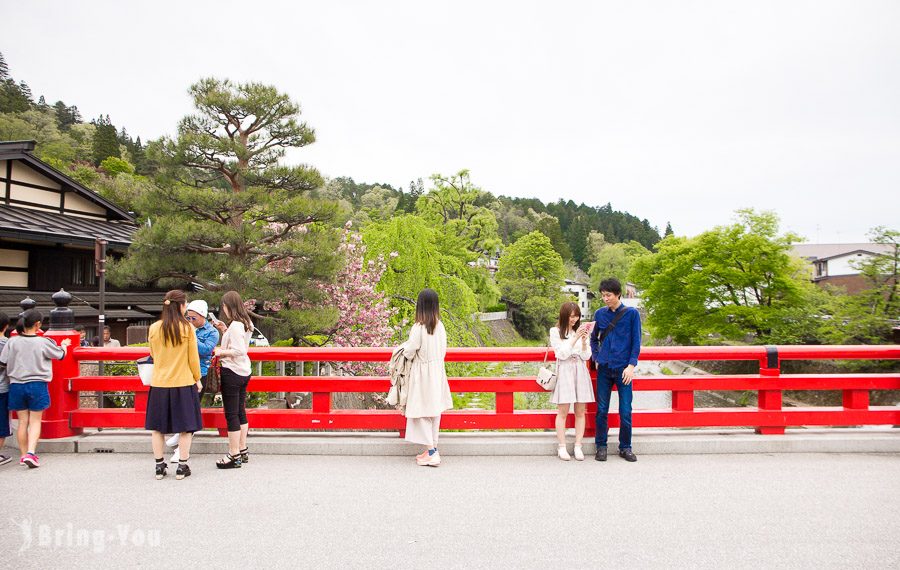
[{"x": 429, "y": 392}]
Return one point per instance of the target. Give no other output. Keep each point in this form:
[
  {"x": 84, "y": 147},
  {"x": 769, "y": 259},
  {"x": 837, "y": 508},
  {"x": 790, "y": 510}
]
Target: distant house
[
  {"x": 48, "y": 226},
  {"x": 834, "y": 263},
  {"x": 581, "y": 292}
]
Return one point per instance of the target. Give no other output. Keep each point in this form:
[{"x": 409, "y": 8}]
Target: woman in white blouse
[
  {"x": 429, "y": 392},
  {"x": 235, "y": 376},
  {"x": 569, "y": 340}
]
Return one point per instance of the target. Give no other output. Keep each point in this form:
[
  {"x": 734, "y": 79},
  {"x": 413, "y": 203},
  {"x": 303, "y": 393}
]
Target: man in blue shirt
[{"x": 616, "y": 354}]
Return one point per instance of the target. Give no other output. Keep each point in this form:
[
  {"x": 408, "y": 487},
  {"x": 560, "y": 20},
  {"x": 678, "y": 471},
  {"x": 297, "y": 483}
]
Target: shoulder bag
[
  {"x": 213, "y": 376},
  {"x": 546, "y": 378}
]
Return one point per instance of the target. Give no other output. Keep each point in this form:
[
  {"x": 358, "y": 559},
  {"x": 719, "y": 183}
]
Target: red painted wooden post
[
  {"x": 856, "y": 399},
  {"x": 140, "y": 401},
  {"x": 55, "y": 422},
  {"x": 682, "y": 401},
  {"x": 321, "y": 402},
  {"x": 770, "y": 368},
  {"x": 590, "y": 411},
  {"x": 505, "y": 403}
]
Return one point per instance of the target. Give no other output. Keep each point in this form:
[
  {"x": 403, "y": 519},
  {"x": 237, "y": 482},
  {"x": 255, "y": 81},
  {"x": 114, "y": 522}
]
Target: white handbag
[
  {"x": 393, "y": 397},
  {"x": 546, "y": 378},
  {"x": 145, "y": 370}
]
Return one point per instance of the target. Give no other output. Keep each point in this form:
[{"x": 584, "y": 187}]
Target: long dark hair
[
  {"x": 235, "y": 310},
  {"x": 565, "y": 311},
  {"x": 428, "y": 310},
  {"x": 172, "y": 317}
]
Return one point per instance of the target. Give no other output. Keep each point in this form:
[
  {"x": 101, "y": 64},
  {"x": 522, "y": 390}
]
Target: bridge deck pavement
[{"x": 711, "y": 511}]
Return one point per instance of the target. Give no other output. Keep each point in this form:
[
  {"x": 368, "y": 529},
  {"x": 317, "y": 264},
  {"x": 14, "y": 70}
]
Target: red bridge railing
[{"x": 768, "y": 417}]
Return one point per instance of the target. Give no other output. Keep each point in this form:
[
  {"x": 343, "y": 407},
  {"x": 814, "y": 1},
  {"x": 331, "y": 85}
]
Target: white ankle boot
[
  {"x": 562, "y": 453},
  {"x": 579, "y": 453}
]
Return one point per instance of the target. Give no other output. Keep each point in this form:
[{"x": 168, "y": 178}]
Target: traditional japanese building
[{"x": 48, "y": 227}]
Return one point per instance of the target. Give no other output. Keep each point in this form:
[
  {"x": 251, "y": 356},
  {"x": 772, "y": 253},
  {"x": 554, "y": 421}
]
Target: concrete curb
[{"x": 646, "y": 442}]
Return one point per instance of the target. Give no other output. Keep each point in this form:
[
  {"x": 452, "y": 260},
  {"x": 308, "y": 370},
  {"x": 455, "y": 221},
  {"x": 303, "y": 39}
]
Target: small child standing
[
  {"x": 28, "y": 360},
  {"x": 4, "y": 392}
]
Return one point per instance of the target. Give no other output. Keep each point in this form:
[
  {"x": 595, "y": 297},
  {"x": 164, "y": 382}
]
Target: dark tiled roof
[
  {"x": 31, "y": 224},
  {"x": 9, "y": 297},
  {"x": 79, "y": 310}
]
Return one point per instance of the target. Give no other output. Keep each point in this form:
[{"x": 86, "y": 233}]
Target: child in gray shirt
[{"x": 29, "y": 366}]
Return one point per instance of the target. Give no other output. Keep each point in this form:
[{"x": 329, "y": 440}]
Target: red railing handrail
[
  {"x": 459, "y": 384},
  {"x": 769, "y": 416},
  {"x": 531, "y": 354}
]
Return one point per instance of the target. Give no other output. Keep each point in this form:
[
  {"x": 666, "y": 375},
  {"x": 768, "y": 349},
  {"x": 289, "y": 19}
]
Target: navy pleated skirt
[{"x": 174, "y": 410}]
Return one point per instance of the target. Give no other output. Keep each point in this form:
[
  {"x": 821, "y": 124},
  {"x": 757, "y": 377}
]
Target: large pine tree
[{"x": 226, "y": 215}]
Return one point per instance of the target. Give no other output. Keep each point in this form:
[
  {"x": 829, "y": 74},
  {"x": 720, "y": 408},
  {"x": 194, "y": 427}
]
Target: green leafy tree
[
  {"x": 106, "y": 141},
  {"x": 549, "y": 226},
  {"x": 530, "y": 276},
  {"x": 419, "y": 256},
  {"x": 462, "y": 209},
  {"x": 13, "y": 99},
  {"x": 615, "y": 260},
  {"x": 66, "y": 116},
  {"x": 736, "y": 282},
  {"x": 407, "y": 200},
  {"x": 225, "y": 214},
  {"x": 113, "y": 166},
  {"x": 867, "y": 317}
]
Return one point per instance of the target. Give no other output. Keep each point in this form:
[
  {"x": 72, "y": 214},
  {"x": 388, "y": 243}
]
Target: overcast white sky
[{"x": 673, "y": 111}]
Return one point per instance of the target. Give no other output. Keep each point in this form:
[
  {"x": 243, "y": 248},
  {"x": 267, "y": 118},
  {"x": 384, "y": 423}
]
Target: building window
[{"x": 83, "y": 271}]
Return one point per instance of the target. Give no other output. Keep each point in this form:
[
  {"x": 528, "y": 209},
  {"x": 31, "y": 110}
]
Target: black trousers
[{"x": 234, "y": 398}]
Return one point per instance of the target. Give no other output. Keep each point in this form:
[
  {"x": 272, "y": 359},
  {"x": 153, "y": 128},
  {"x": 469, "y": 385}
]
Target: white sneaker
[
  {"x": 432, "y": 460},
  {"x": 579, "y": 454},
  {"x": 562, "y": 453},
  {"x": 173, "y": 441},
  {"x": 175, "y": 457}
]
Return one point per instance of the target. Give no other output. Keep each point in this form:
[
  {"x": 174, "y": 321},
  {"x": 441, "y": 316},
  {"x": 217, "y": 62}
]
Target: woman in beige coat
[{"x": 428, "y": 390}]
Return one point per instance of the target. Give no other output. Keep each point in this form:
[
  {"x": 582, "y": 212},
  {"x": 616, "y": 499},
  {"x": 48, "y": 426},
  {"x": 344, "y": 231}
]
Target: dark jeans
[
  {"x": 606, "y": 377},
  {"x": 234, "y": 398}
]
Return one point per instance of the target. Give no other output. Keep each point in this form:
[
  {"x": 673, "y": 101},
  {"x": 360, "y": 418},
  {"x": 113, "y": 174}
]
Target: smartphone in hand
[{"x": 588, "y": 326}]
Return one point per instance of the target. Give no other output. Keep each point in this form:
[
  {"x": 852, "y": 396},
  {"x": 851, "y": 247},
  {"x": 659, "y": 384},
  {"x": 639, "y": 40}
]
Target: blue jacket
[
  {"x": 622, "y": 345},
  {"x": 207, "y": 339}
]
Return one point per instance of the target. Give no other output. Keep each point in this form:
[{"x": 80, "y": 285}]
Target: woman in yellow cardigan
[{"x": 173, "y": 405}]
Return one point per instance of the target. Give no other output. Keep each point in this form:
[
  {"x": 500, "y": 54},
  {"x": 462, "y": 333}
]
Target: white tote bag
[{"x": 145, "y": 370}]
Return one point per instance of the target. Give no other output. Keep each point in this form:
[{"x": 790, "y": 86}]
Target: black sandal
[
  {"x": 229, "y": 461},
  {"x": 160, "y": 469},
  {"x": 183, "y": 470},
  {"x": 245, "y": 455}
]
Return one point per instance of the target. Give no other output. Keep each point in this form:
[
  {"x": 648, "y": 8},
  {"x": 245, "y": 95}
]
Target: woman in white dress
[
  {"x": 428, "y": 390},
  {"x": 569, "y": 340}
]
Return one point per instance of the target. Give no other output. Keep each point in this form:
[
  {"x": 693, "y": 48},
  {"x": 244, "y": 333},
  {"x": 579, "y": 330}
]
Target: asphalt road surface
[{"x": 665, "y": 511}]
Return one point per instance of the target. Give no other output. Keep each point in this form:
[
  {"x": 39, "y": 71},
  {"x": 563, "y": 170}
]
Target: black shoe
[
  {"x": 182, "y": 471},
  {"x": 245, "y": 455},
  {"x": 229, "y": 461},
  {"x": 627, "y": 455},
  {"x": 601, "y": 454},
  {"x": 160, "y": 470}
]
